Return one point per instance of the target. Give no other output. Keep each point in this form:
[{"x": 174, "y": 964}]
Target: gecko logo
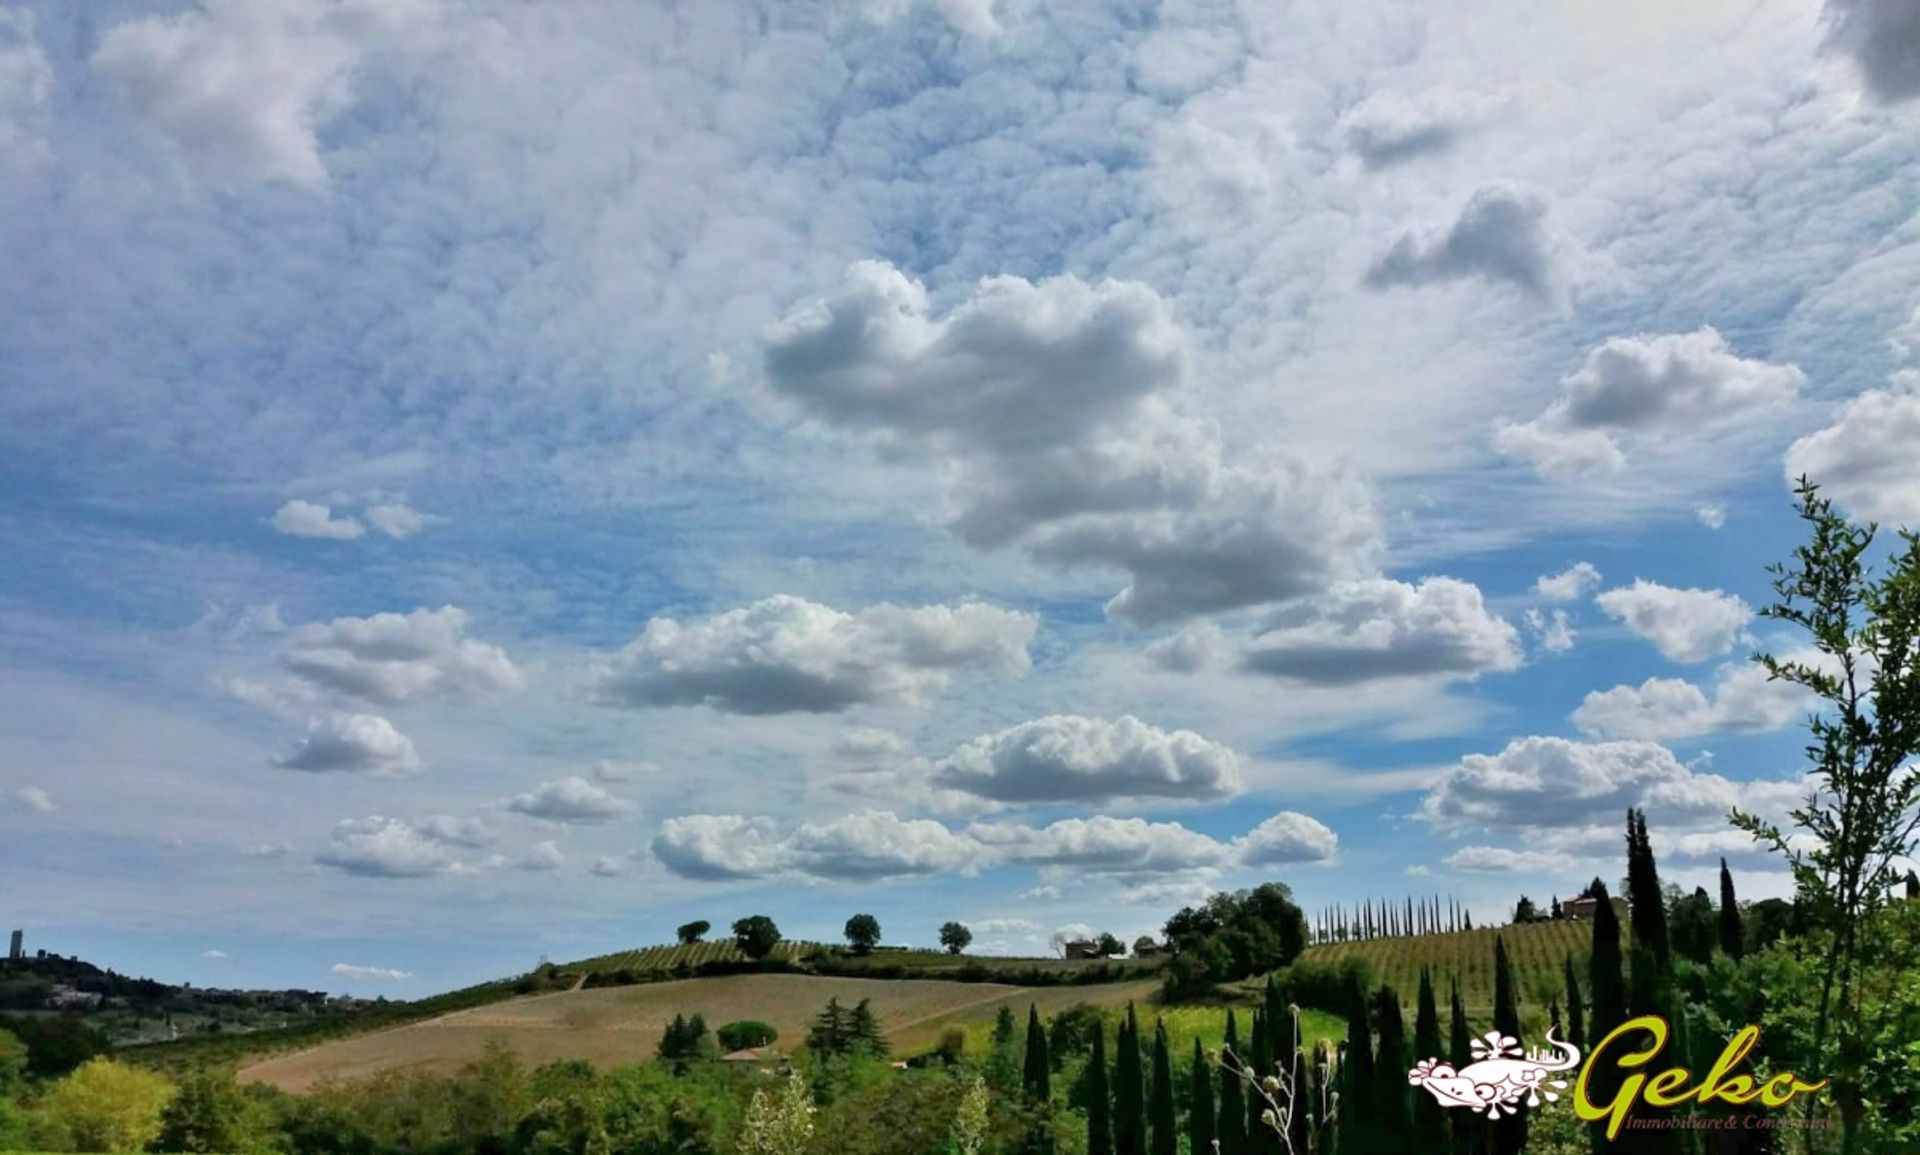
[{"x": 1501, "y": 1076}]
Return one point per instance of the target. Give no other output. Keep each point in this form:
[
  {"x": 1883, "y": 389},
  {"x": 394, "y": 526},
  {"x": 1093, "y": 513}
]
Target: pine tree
[
  {"x": 1608, "y": 987},
  {"x": 1733, "y": 938},
  {"x": 1003, "y": 1027},
  {"x": 1358, "y": 1133},
  {"x": 1430, "y": 1130},
  {"x": 1037, "y": 1082},
  {"x": 863, "y": 1030},
  {"x": 1232, "y": 1129},
  {"x": 1099, "y": 1098},
  {"x": 1510, "y": 1131},
  {"x": 1129, "y": 1092},
  {"x": 1648, "y": 905},
  {"x": 1390, "y": 1095},
  {"x": 1576, "y": 1010},
  {"x": 1200, "y": 1103}
]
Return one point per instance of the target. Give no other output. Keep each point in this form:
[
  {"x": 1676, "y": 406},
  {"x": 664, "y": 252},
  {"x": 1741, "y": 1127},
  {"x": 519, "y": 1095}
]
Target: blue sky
[{"x": 481, "y": 481}]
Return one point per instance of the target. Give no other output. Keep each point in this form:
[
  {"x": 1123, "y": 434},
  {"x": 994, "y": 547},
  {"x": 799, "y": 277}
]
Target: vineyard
[
  {"x": 654, "y": 962},
  {"x": 688, "y": 955},
  {"x": 1538, "y": 951}
]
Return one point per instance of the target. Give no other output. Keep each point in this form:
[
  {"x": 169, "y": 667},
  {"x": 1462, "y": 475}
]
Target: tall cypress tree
[
  {"x": 1099, "y": 1098},
  {"x": 1466, "y": 1126},
  {"x": 1429, "y": 1122},
  {"x": 1261, "y": 1139},
  {"x": 1733, "y": 936},
  {"x": 1648, "y": 994},
  {"x": 1166, "y": 1140},
  {"x": 1576, "y": 1011},
  {"x": 1358, "y": 1133},
  {"x": 1510, "y": 1131},
  {"x": 1608, "y": 987},
  {"x": 1037, "y": 1081},
  {"x": 1390, "y": 1092},
  {"x": 1129, "y": 1094},
  {"x": 1199, "y": 1104},
  {"x": 1648, "y": 905},
  {"x": 1301, "y": 1076},
  {"x": 1232, "y": 1131}
]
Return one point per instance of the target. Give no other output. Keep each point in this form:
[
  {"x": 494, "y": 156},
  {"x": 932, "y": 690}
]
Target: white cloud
[
  {"x": 1504, "y": 860},
  {"x": 1711, "y": 516},
  {"x": 214, "y": 954},
  {"x": 313, "y": 519},
  {"x": 1004, "y": 926},
  {"x": 571, "y": 800},
  {"x": 540, "y": 858},
  {"x": 1103, "y": 845},
  {"x": 392, "y": 658},
  {"x": 1102, "y": 468},
  {"x": 1865, "y": 460},
  {"x": 266, "y": 850},
  {"x": 1389, "y": 127},
  {"x": 1554, "y": 632},
  {"x": 609, "y": 866},
  {"x": 788, "y": 655},
  {"x": 34, "y": 800},
  {"x": 397, "y": 519},
  {"x": 1883, "y": 39},
  {"x": 1571, "y": 584},
  {"x": 1069, "y": 758},
  {"x": 377, "y": 847},
  {"x": 237, "y": 89},
  {"x": 1744, "y": 701},
  {"x": 864, "y": 846},
  {"x": 1656, "y": 388},
  {"x": 360, "y": 743},
  {"x": 377, "y": 974},
  {"x": 1386, "y": 629},
  {"x": 468, "y": 832},
  {"x": 615, "y": 770},
  {"x": 1685, "y": 625},
  {"x": 1500, "y": 235},
  {"x": 1287, "y": 837}
]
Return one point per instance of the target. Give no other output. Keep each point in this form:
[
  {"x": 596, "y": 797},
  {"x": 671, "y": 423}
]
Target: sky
[{"x": 484, "y": 481}]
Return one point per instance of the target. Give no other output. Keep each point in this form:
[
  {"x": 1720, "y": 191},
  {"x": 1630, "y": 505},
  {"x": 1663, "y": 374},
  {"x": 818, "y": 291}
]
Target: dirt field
[{"x": 608, "y": 1026}]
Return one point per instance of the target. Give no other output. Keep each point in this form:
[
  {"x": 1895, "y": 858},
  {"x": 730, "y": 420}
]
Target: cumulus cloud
[
  {"x": 1685, "y": 625},
  {"x": 1647, "y": 387},
  {"x": 359, "y": 743},
  {"x": 1743, "y": 701},
  {"x": 1571, "y": 584},
  {"x": 1102, "y": 469},
  {"x": 34, "y": 800},
  {"x": 397, "y": 519},
  {"x": 1069, "y": 758},
  {"x": 237, "y": 89},
  {"x": 1389, "y": 128},
  {"x": 377, "y": 847},
  {"x": 571, "y": 800},
  {"x": 789, "y": 655},
  {"x": 313, "y": 519},
  {"x": 1386, "y": 629},
  {"x": 540, "y": 858},
  {"x": 393, "y": 658},
  {"x": 1285, "y": 838},
  {"x": 1500, "y": 235},
  {"x": 1711, "y": 516},
  {"x": 1882, "y": 37},
  {"x": 377, "y": 974},
  {"x": 1103, "y": 845},
  {"x": 1865, "y": 460},
  {"x": 1552, "y": 632},
  {"x": 864, "y": 846},
  {"x": 609, "y": 866}
]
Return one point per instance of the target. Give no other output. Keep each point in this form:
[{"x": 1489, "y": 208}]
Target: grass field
[
  {"x": 609, "y": 1026},
  {"x": 1536, "y": 949}
]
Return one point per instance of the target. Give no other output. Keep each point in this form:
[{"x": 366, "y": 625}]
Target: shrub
[
  {"x": 746, "y": 1033},
  {"x": 102, "y": 1106}
]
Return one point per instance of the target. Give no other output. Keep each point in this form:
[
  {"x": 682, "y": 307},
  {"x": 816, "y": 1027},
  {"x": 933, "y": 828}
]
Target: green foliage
[
  {"x": 1694, "y": 925},
  {"x": 1129, "y": 1091},
  {"x": 1430, "y": 1132},
  {"x": 1608, "y": 985},
  {"x": 684, "y": 1040},
  {"x": 1232, "y": 1126},
  {"x": 1509, "y": 1132},
  {"x": 955, "y": 937},
  {"x": 102, "y": 1106},
  {"x": 779, "y": 1121},
  {"x": 692, "y": 932},
  {"x": 56, "y": 1044},
  {"x": 1647, "y": 905},
  {"x": 863, "y": 933},
  {"x": 744, "y": 1034},
  {"x": 1200, "y": 1117},
  {"x": 1359, "y": 1110},
  {"x": 837, "y": 1030},
  {"x": 1036, "y": 1083},
  {"x": 1234, "y": 935},
  {"x": 756, "y": 936},
  {"x": 210, "y": 1112},
  {"x": 1324, "y": 983},
  {"x": 1576, "y": 1032},
  {"x": 1733, "y": 936},
  {"x": 1524, "y": 911},
  {"x": 1100, "y": 1098},
  {"x": 1160, "y": 1114}
]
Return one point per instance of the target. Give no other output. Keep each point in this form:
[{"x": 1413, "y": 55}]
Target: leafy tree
[
  {"x": 1232, "y": 1128},
  {"x": 1070, "y": 1031},
  {"x": 1524, "y": 911},
  {"x": 56, "y": 1044},
  {"x": 1099, "y": 1099},
  {"x": 863, "y": 933},
  {"x": 779, "y": 1122},
  {"x": 756, "y": 936},
  {"x": 1576, "y": 1010},
  {"x": 1200, "y": 1118},
  {"x": 210, "y": 1112},
  {"x": 692, "y": 932},
  {"x": 1510, "y": 1131},
  {"x": 102, "y": 1106},
  {"x": 1003, "y": 1026},
  {"x": 974, "y": 1116},
  {"x": 1693, "y": 926},
  {"x": 1235, "y": 935},
  {"x": 1733, "y": 936},
  {"x": 1863, "y": 815},
  {"x": 1109, "y": 945},
  {"x": 745, "y": 1034},
  {"x": 1769, "y": 919},
  {"x": 1166, "y": 1138},
  {"x": 1430, "y": 1132},
  {"x": 955, "y": 937}
]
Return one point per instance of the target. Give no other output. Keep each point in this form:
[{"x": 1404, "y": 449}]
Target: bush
[
  {"x": 746, "y": 1033},
  {"x": 1323, "y": 986},
  {"x": 102, "y": 1106}
]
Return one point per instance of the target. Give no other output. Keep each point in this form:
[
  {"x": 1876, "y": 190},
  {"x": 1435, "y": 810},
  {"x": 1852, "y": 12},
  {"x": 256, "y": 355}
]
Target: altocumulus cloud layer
[{"x": 502, "y": 485}]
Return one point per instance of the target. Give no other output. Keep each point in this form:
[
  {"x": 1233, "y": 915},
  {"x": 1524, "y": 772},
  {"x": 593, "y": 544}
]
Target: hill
[
  {"x": 1537, "y": 950},
  {"x": 608, "y": 1026}
]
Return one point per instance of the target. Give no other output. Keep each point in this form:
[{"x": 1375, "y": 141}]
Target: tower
[{"x": 18, "y": 950}]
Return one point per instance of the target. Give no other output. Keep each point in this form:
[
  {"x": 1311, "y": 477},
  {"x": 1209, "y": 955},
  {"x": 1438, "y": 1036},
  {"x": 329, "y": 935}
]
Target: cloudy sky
[{"x": 481, "y": 480}]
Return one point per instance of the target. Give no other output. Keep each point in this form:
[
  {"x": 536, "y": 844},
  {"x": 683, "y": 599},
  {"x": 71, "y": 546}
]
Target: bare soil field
[{"x": 610, "y": 1026}]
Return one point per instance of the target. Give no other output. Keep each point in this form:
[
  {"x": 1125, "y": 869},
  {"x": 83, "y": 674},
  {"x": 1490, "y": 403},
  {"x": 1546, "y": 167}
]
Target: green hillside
[{"x": 1537, "y": 950}]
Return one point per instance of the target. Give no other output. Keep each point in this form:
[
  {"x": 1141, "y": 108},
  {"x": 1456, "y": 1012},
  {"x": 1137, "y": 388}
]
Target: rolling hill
[{"x": 1536, "y": 949}]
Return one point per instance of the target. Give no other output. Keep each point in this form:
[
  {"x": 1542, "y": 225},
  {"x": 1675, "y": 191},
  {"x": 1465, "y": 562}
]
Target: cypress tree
[
  {"x": 1099, "y": 1098},
  {"x": 1733, "y": 937},
  {"x": 1469, "y": 920},
  {"x": 1510, "y": 1131},
  {"x": 1037, "y": 1081},
  {"x": 1260, "y": 1138},
  {"x": 1129, "y": 1095},
  {"x": 1608, "y": 988},
  {"x": 1199, "y": 1104},
  {"x": 1357, "y": 1111},
  {"x": 1648, "y": 995},
  {"x": 1395, "y": 1118},
  {"x": 1648, "y": 905},
  {"x": 1576, "y": 1012},
  {"x": 1429, "y": 1122},
  {"x": 1166, "y": 1140},
  {"x": 1466, "y": 1126},
  {"x": 1300, "y": 1074},
  {"x": 1232, "y": 1131}
]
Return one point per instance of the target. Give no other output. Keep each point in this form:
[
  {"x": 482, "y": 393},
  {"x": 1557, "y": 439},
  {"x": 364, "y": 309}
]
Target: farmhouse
[
  {"x": 1080, "y": 948},
  {"x": 1580, "y": 908}
]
